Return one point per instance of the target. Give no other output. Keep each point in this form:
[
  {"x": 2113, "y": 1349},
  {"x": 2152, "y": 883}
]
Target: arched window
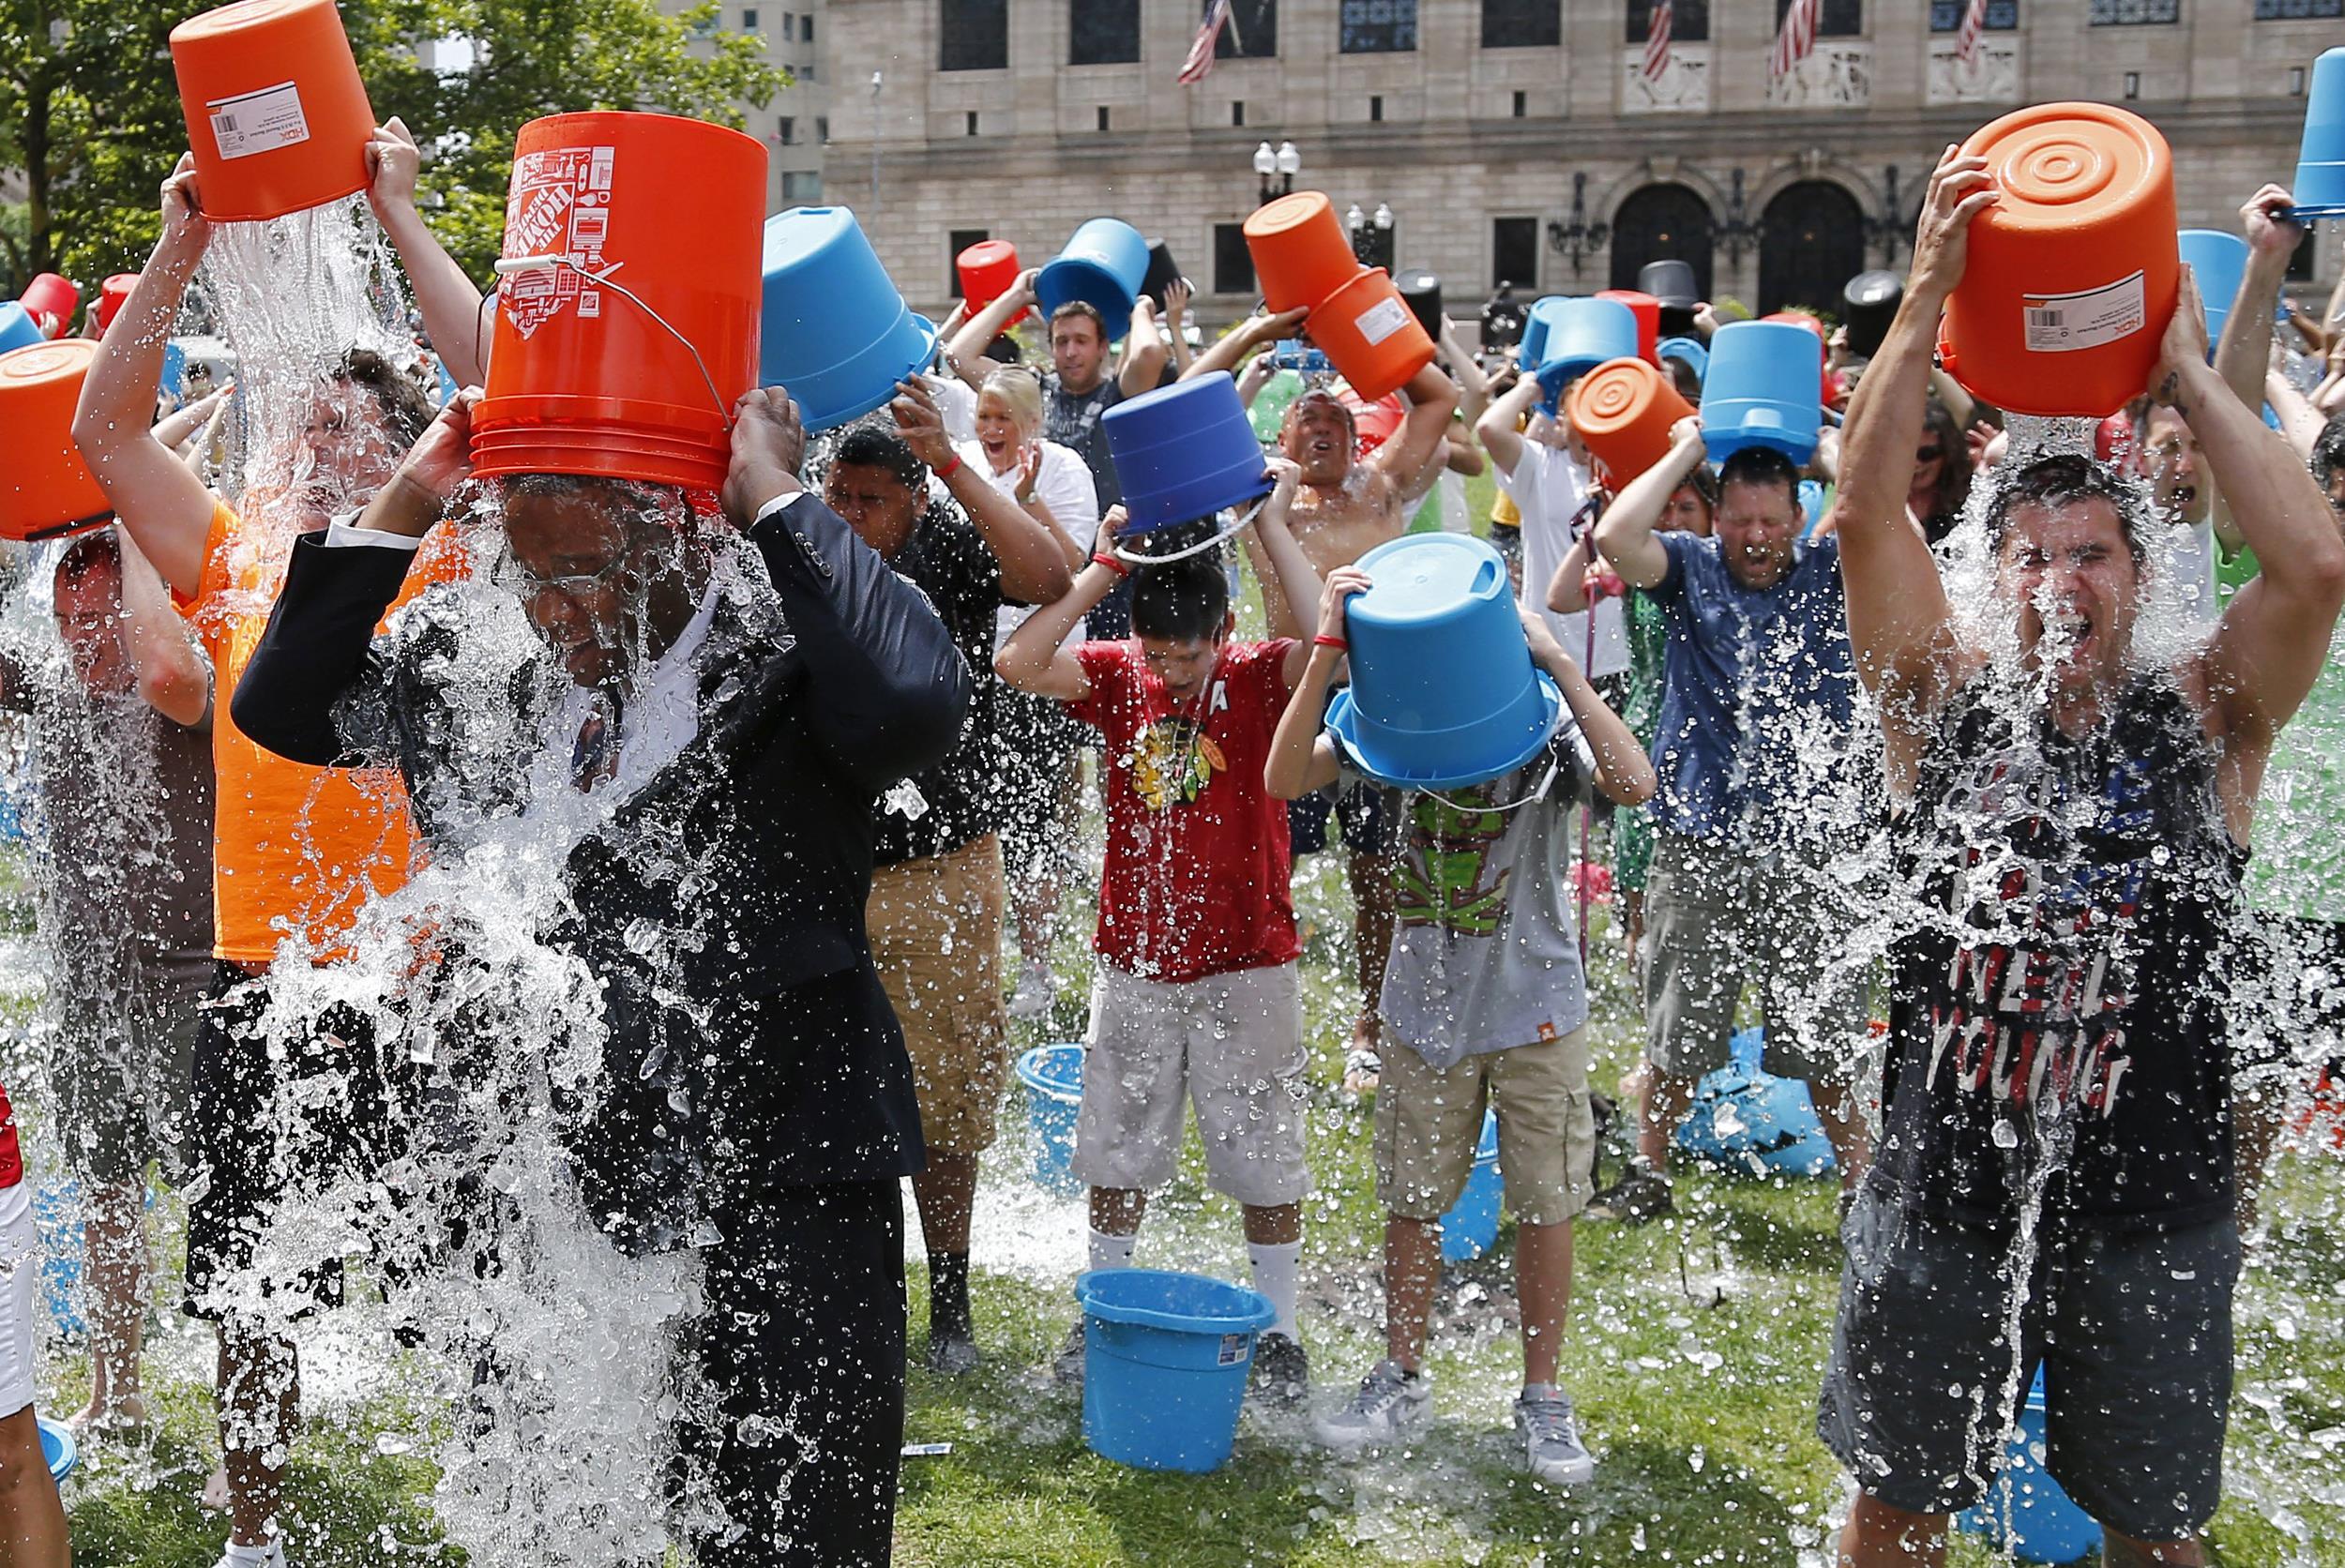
[
  {"x": 1661, "y": 223},
  {"x": 1811, "y": 242}
]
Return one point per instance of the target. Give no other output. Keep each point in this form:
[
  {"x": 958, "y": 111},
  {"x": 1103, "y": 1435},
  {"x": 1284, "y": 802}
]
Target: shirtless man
[{"x": 1346, "y": 506}]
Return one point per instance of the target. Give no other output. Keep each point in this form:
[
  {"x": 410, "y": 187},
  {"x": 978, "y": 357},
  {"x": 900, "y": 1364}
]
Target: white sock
[
  {"x": 1113, "y": 1252},
  {"x": 1276, "y": 1265}
]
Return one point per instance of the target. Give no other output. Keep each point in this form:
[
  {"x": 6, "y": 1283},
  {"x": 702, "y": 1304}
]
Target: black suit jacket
[{"x": 736, "y": 878}]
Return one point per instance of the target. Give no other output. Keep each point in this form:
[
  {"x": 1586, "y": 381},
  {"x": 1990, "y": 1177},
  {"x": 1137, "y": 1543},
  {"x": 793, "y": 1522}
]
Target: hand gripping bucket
[
  {"x": 45, "y": 488},
  {"x": 1443, "y": 693},
  {"x": 2216, "y": 261},
  {"x": 53, "y": 296},
  {"x": 838, "y": 335},
  {"x": 1470, "y": 1228},
  {"x": 1765, "y": 388},
  {"x": 1582, "y": 334},
  {"x": 18, "y": 330},
  {"x": 1165, "y": 1360},
  {"x": 1300, "y": 254},
  {"x": 1647, "y": 310},
  {"x": 277, "y": 116},
  {"x": 2073, "y": 273},
  {"x": 1623, "y": 409},
  {"x": 987, "y": 270},
  {"x": 627, "y": 318},
  {"x": 1869, "y": 303},
  {"x": 1367, "y": 332},
  {"x": 1053, "y": 1077},
  {"x": 2319, "y": 188},
  {"x": 2026, "y": 1513},
  {"x": 1185, "y": 452},
  {"x": 1104, "y": 265}
]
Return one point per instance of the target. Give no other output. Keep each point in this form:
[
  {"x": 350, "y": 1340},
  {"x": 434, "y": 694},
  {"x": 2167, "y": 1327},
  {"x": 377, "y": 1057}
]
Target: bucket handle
[
  {"x": 505, "y": 266},
  {"x": 1244, "y": 519},
  {"x": 1546, "y": 780}
]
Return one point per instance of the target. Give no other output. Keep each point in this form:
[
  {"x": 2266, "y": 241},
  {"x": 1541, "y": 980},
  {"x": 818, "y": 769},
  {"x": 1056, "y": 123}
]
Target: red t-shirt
[
  {"x": 1195, "y": 882},
  {"x": 11, "y": 1157}
]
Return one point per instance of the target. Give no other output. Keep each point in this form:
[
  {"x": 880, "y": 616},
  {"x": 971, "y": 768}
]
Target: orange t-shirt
[{"x": 296, "y": 848}]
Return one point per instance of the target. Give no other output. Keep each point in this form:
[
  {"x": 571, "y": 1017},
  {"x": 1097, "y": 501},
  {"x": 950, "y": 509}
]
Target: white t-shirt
[
  {"x": 956, "y": 403},
  {"x": 1548, "y": 489},
  {"x": 1064, "y": 486}
]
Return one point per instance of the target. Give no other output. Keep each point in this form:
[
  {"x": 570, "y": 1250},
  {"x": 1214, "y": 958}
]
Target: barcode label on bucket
[
  {"x": 258, "y": 122},
  {"x": 2064, "y": 323},
  {"x": 1233, "y": 1350},
  {"x": 1381, "y": 319}
]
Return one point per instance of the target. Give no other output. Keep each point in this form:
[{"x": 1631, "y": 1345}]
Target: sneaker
[
  {"x": 1550, "y": 1438},
  {"x": 953, "y": 1352},
  {"x": 1642, "y": 1195},
  {"x": 1067, "y": 1367},
  {"x": 1037, "y": 990},
  {"x": 1281, "y": 1375},
  {"x": 1390, "y": 1401}
]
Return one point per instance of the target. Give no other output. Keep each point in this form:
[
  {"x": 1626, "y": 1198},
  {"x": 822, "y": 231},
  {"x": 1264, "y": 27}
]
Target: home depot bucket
[
  {"x": 1166, "y": 1357},
  {"x": 838, "y": 334},
  {"x": 1367, "y": 333},
  {"x": 45, "y": 487},
  {"x": 277, "y": 116},
  {"x": 112, "y": 296},
  {"x": 2073, "y": 272},
  {"x": 2216, "y": 261},
  {"x": 1765, "y": 387},
  {"x": 987, "y": 270},
  {"x": 51, "y": 299},
  {"x": 1647, "y": 310},
  {"x": 1104, "y": 265},
  {"x": 622, "y": 357},
  {"x": 1300, "y": 254},
  {"x": 1623, "y": 409},
  {"x": 1184, "y": 452},
  {"x": 2319, "y": 188}
]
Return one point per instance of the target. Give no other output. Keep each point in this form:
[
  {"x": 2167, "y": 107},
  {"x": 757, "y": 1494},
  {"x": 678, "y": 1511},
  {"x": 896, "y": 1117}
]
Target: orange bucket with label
[
  {"x": 986, "y": 269},
  {"x": 1624, "y": 410},
  {"x": 1300, "y": 254},
  {"x": 627, "y": 301},
  {"x": 1369, "y": 334},
  {"x": 45, "y": 487},
  {"x": 277, "y": 116},
  {"x": 2073, "y": 273}
]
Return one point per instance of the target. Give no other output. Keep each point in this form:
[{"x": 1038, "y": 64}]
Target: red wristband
[
  {"x": 1101, "y": 558},
  {"x": 948, "y": 473},
  {"x": 1338, "y": 643}
]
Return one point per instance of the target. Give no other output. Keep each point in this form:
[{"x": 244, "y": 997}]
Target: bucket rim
[
  {"x": 1029, "y": 1074},
  {"x": 816, "y": 424},
  {"x": 1344, "y": 722},
  {"x": 1258, "y": 1315}
]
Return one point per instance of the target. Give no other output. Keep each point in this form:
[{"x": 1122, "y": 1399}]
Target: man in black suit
[{"x": 712, "y": 716}]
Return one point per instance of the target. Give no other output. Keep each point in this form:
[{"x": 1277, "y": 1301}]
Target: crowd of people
[{"x": 824, "y": 735}]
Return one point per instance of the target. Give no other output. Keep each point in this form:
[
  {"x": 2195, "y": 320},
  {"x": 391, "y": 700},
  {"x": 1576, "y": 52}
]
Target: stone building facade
[
  {"x": 1519, "y": 139},
  {"x": 795, "y": 126}
]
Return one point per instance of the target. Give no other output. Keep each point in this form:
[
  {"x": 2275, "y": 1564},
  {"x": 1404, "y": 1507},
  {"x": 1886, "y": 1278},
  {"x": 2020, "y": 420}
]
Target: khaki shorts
[
  {"x": 1233, "y": 1044},
  {"x": 1429, "y": 1124},
  {"x": 1718, "y": 921},
  {"x": 935, "y": 927}
]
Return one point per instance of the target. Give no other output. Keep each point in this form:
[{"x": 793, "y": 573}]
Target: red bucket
[
  {"x": 1647, "y": 310},
  {"x": 277, "y": 116},
  {"x": 51, "y": 300},
  {"x": 986, "y": 269},
  {"x": 111, "y": 296},
  {"x": 624, "y": 358}
]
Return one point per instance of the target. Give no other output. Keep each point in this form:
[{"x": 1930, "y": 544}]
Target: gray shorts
[
  {"x": 122, "y": 1064},
  {"x": 2133, "y": 1331},
  {"x": 1718, "y": 922},
  {"x": 1230, "y": 1043}
]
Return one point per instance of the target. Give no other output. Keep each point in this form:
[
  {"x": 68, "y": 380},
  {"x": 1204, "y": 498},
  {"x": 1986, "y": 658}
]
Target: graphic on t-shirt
[
  {"x": 1173, "y": 761},
  {"x": 1447, "y": 879}
]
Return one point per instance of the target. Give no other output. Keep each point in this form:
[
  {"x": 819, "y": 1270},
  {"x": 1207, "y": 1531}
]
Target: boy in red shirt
[
  {"x": 32, "y": 1520},
  {"x": 1196, "y": 999}
]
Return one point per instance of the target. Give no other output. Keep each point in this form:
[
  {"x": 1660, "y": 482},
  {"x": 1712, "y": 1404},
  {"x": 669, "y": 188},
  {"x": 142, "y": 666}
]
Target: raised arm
[
  {"x": 1297, "y": 578},
  {"x": 1302, "y": 755},
  {"x": 1176, "y": 297},
  {"x": 1624, "y": 533},
  {"x": 1622, "y": 771},
  {"x": 163, "y": 505},
  {"x": 2245, "y": 352},
  {"x": 1032, "y": 659},
  {"x": 1474, "y": 386},
  {"x": 1028, "y": 549},
  {"x": 1432, "y": 398},
  {"x": 1497, "y": 429},
  {"x": 1255, "y": 332},
  {"x": 992, "y": 321},
  {"x": 174, "y": 678},
  {"x": 1144, "y": 350},
  {"x": 452, "y": 306}
]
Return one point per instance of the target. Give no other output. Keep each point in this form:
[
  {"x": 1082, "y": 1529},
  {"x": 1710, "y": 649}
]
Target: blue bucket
[
  {"x": 58, "y": 1450},
  {"x": 2044, "y": 1525},
  {"x": 1765, "y": 387},
  {"x": 1053, "y": 1080},
  {"x": 16, "y": 327},
  {"x": 1537, "y": 323},
  {"x": 1104, "y": 265},
  {"x": 1184, "y": 452},
  {"x": 2319, "y": 188},
  {"x": 1749, "y": 1120},
  {"x": 175, "y": 377},
  {"x": 1688, "y": 349},
  {"x": 836, "y": 333},
  {"x": 1582, "y": 334},
  {"x": 1165, "y": 1362},
  {"x": 56, "y": 1213},
  {"x": 2217, "y": 260},
  {"x": 1443, "y": 693},
  {"x": 1471, "y": 1226}
]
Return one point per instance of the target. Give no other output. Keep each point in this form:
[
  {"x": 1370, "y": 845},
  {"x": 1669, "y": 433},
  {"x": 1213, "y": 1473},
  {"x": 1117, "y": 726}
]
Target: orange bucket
[
  {"x": 622, "y": 354},
  {"x": 1300, "y": 254},
  {"x": 986, "y": 269},
  {"x": 277, "y": 116},
  {"x": 1369, "y": 334},
  {"x": 45, "y": 487},
  {"x": 1647, "y": 310},
  {"x": 2073, "y": 274},
  {"x": 1624, "y": 410}
]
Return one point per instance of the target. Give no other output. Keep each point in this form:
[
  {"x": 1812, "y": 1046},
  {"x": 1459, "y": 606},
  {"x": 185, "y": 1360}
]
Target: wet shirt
[
  {"x": 952, "y": 803},
  {"x": 1485, "y": 949},
  {"x": 2298, "y": 867},
  {"x": 2057, "y": 1008},
  {"x": 1757, "y": 685},
  {"x": 127, "y": 807},
  {"x": 12, "y": 1154},
  {"x": 1195, "y": 877}
]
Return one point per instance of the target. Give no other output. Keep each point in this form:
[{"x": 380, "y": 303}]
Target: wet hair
[
  {"x": 406, "y": 412},
  {"x": 874, "y": 442},
  {"x": 1182, "y": 601},
  {"x": 1761, "y": 466},
  {"x": 88, "y": 553},
  {"x": 1954, "y": 470},
  {"x": 1017, "y": 386},
  {"x": 1320, "y": 395},
  {"x": 2063, "y": 481},
  {"x": 2328, "y": 451},
  {"x": 1084, "y": 308}
]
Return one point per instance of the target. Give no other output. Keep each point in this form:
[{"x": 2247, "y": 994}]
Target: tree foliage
[{"x": 90, "y": 121}]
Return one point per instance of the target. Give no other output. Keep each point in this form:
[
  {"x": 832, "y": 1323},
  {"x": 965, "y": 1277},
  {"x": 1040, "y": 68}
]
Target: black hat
[
  {"x": 1872, "y": 301},
  {"x": 1421, "y": 291}
]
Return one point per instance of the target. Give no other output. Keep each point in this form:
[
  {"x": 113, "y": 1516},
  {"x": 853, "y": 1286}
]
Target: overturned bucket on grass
[
  {"x": 1166, "y": 1357},
  {"x": 2026, "y": 1513}
]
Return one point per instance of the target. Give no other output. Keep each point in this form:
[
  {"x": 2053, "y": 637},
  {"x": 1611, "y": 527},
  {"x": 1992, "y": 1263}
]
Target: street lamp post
[
  {"x": 1371, "y": 235},
  {"x": 1275, "y": 170}
]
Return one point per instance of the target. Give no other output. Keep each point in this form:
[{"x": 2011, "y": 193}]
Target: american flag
[
  {"x": 1795, "y": 40},
  {"x": 1657, "y": 40},
  {"x": 1200, "y": 62},
  {"x": 1966, "y": 36}
]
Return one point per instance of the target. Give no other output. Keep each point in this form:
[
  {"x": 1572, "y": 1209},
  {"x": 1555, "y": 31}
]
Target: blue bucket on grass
[
  {"x": 2319, "y": 188},
  {"x": 1443, "y": 693},
  {"x": 1747, "y": 1119},
  {"x": 1582, "y": 334},
  {"x": 836, "y": 332},
  {"x": 1471, "y": 1226},
  {"x": 1688, "y": 349},
  {"x": 2217, "y": 260},
  {"x": 1165, "y": 1362},
  {"x": 1765, "y": 387},
  {"x": 18, "y": 329},
  {"x": 1053, "y": 1079},
  {"x": 1184, "y": 452},
  {"x": 2044, "y": 1525},
  {"x": 58, "y": 1450},
  {"x": 1105, "y": 265}
]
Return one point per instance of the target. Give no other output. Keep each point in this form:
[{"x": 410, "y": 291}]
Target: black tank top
[{"x": 2058, "y": 1006}]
